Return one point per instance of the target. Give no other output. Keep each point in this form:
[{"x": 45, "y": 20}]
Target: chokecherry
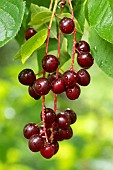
[
  {"x": 26, "y": 77},
  {"x": 62, "y": 121},
  {"x": 82, "y": 46},
  {"x": 85, "y": 60},
  {"x": 50, "y": 63},
  {"x": 70, "y": 78},
  {"x": 73, "y": 93},
  {"x": 58, "y": 86},
  {"x": 42, "y": 86},
  {"x": 33, "y": 94},
  {"x": 66, "y": 25},
  {"x": 30, "y": 129},
  {"x": 50, "y": 116},
  {"x": 47, "y": 151},
  {"x": 36, "y": 143},
  {"x": 29, "y": 32},
  {"x": 83, "y": 77}
]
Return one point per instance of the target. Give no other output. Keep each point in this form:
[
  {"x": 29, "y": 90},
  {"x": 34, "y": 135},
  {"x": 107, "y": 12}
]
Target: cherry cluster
[
  {"x": 57, "y": 129},
  {"x": 54, "y": 126}
]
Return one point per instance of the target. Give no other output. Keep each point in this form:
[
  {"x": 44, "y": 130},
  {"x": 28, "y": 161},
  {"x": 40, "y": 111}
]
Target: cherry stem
[
  {"x": 58, "y": 56},
  {"x": 43, "y": 117},
  {"x": 71, "y": 8},
  {"x": 50, "y": 6},
  {"x": 50, "y": 25},
  {"x": 73, "y": 50}
]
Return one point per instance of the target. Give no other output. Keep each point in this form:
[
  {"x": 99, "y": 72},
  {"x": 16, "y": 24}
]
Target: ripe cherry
[
  {"x": 85, "y": 60},
  {"x": 73, "y": 93},
  {"x": 30, "y": 129},
  {"x": 82, "y": 46},
  {"x": 66, "y": 25},
  {"x": 29, "y": 32},
  {"x": 69, "y": 78},
  {"x": 36, "y": 143},
  {"x": 26, "y": 77},
  {"x": 83, "y": 77},
  {"x": 50, "y": 63},
  {"x": 58, "y": 86},
  {"x": 33, "y": 94},
  {"x": 42, "y": 86}
]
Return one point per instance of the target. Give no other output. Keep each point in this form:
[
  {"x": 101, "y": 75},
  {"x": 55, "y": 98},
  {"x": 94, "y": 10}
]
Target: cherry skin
[
  {"x": 69, "y": 78},
  {"x": 33, "y": 94},
  {"x": 62, "y": 121},
  {"x": 85, "y": 60},
  {"x": 30, "y": 129},
  {"x": 29, "y": 32},
  {"x": 82, "y": 46},
  {"x": 26, "y": 77},
  {"x": 36, "y": 143},
  {"x": 50, "y": 63},
  {"x": 42, "y": 86},
  {"x": 47, "y": 151},
  {"x": 50, "y": 116},
  {"x": 71, "y": 115},
  {"x": 83, "y": 77},
  {"x": 58, "y": 86},
  {"x": 73, "y": 93},
  {"x": 52, "y": 77},
  {"x": 66, "y": 25}
]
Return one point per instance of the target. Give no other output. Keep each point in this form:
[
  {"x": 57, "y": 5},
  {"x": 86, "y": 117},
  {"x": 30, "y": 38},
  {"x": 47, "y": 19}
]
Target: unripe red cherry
[
  {"x": 50, "y": 63},
  {"x": 66, "y": 25}
]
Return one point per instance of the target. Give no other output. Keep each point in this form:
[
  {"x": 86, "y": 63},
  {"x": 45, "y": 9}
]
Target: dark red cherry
[
  {"x": 26, "y": 77},
  {"x": 58, "y": 86},
  {"x": 30, "y": 129},
  {"x": 82, "y": 46},
  {"x": 71, "y": 114},
  {"x": 33, "y": 94},
  {"x": 73, "y": 93},
  {"x": 85, "y": 60},
  {"x": 29, "y": 32},
  {"x": 47, "y": 151},
  {"x": 50, "y": 116},
  {"x": 52, "y": 77},
  {"x": 42, "y": 86},
  {"x": 36, "y": 143},
  {"x": 50, "y": 63},
  {"x": 70, "y": 78},
  {"x": 83, "y": 77},
  {"x": 62, "y": 121},
  {"x": 66, "y": 25}
]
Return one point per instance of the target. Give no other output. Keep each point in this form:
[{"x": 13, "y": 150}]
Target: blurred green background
[{"x": 91, "y": 147}]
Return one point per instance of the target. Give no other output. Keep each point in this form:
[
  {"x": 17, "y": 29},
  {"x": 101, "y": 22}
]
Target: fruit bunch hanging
[{"x": 55, "y": 124}]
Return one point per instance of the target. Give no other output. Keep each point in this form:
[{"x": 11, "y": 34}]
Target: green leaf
[
  {"x": 39, "y": 15},
  {"x": 31, "y": 45},
  {"x": 100, "y": 14},
  {"x": 102, "y": 52},
  {"x": 79, "y": 12},
  {"x": 11, "y": 15}
]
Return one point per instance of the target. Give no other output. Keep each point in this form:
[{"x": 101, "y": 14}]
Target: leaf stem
[{"x": 50, "y": 25}]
